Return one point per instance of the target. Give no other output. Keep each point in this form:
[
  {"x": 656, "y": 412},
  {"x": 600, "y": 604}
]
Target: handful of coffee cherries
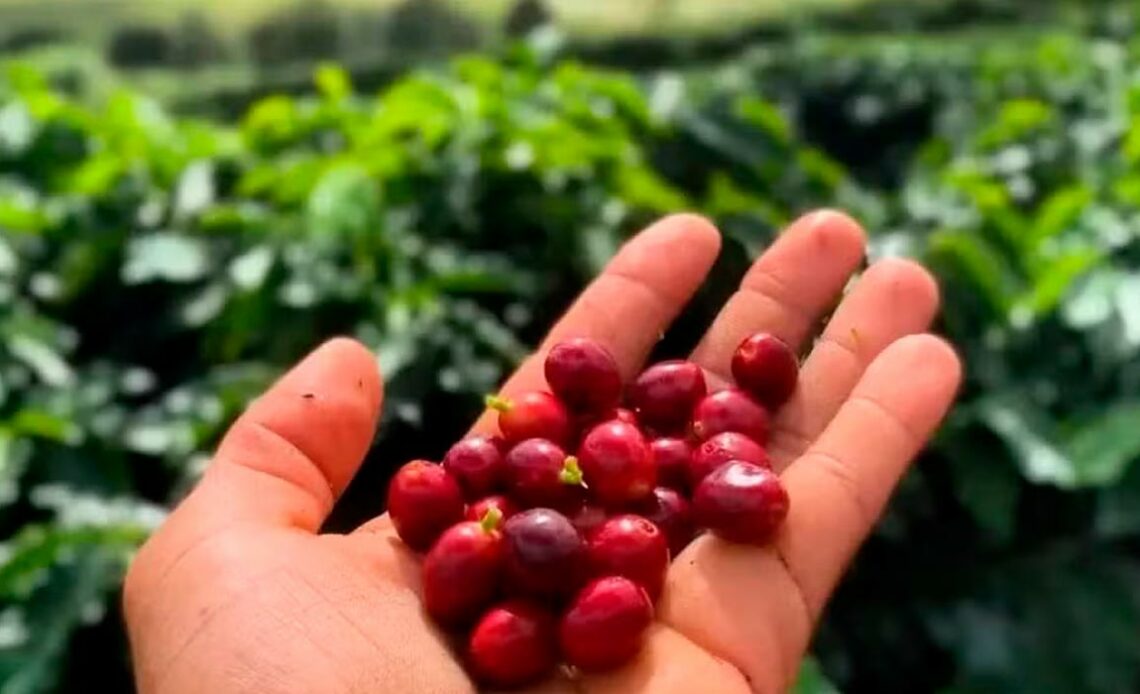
[{"x": 549, "y": 543}]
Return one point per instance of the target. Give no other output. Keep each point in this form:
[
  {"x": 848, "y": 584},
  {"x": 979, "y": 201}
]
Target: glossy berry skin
[
  {"x": 587, "y": 518},
  {"x": 584, "y": 375},
  {"x": 631, "y": 546},
  {"x": 477, "y": 465},
  {"x": 623, "y": 415},
  {"x": 672, "y": 513},
  {"x": 423, "y": 501},
  {"x": 544, "y": 554},
  {"x": 590, "y": 420},
  {"x": 476, "y": 510},
  {"x": 539, "y": 473},
  {"x": 673, "y": 458},
  {"x": 617, "y": 464},
  {"x": 741, "y": 502},
  {"x": 730, "y": 409},
  {"x": 720, "y": 449},
  {"x": 500, "y": 443},
  {"x": 766, "y": 367},
  {"x": 533, "y": 415},
  {"x": 514, "y": 644},
  {"x": 462, "y": 572},
  {"x": 664, "y": 394},
  {"x": 605, "y": 625}
]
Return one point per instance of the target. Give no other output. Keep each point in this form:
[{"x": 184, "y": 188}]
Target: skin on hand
[{"x": 237, "y": 592}]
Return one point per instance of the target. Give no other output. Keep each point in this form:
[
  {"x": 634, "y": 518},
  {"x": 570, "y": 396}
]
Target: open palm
[{"x": 239, "y": 592}]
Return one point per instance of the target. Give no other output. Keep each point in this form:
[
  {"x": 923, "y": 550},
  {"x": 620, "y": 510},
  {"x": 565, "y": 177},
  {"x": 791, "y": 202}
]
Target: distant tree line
[
  {"x": 303, "y": 31},
  {"x": 321, "y": 29}
]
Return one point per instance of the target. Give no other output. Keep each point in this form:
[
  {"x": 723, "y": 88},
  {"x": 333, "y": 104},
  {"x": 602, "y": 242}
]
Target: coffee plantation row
[{"x": 158, "y": 271}]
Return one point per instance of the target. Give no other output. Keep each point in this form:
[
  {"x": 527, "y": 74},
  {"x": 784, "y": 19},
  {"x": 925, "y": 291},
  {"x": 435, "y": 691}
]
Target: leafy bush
[
  {"x": 33, "y": 36},
  {"x": 197, "y": 41},
  {"x": 159, "y": 271},
  {"x": 302, "y": 30},
  {"x": 430, "y": 27},
  {"x": 139, "y": 46},
  {"x": 1008, "y": 562},
  {"x": 526, "y": 16}
]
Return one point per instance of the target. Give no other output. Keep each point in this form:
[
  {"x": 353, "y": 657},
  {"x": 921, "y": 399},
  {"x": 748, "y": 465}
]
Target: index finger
[{"x": 631, "y": 303}]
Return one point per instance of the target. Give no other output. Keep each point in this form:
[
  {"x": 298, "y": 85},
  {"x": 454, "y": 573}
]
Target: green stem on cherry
[
  {"x": 498, "y": 403},
  {"x": 491, "y": 519},
  {"x": 571, "y": 473}
]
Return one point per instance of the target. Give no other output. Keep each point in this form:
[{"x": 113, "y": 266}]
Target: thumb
[{"x": 291, "y": 454}]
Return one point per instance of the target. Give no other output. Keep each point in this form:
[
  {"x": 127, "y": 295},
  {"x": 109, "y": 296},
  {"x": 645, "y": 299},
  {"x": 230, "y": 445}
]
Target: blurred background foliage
[{"x": 192, "y": 195}]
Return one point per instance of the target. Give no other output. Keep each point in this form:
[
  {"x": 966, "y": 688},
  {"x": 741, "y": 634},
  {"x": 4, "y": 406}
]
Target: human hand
[{"x": 238, "y": 591}]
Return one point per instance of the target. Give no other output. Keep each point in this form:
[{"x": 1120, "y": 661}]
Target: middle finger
[{"x": 787, "y": 289}]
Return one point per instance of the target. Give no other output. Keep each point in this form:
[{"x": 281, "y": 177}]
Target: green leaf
[
  {"x": 195, "y": 190},
  {"x": 42, "y": 358},
  {"x": 1030, "y": 435},
  {"x": 134, "y": 119},
  {"x": 8, "y": 260},
  {"x": 727, "y": 197},
  {"x": 21, "y": 210},
  {"x": 159, "y": 438},
  {"x": 811, "y": 679},
  {"x": 249, "y": 270},
  {"x": 1091, "y": 302},
  {"x": 1054, "y": 279},
  {"x": 666, "y": 96},
  {"x": 165, "y": 256},
  {"x": 1127, "y": 188},
  {"x": 17, "y": 129},
  {"x": 205, "y": 305},
  {"x": 971, "y": 258},
  {"x": 345, "y": 202},
  {"x": 1060, "y": 212},
  {"x": 1132, "y": 141},
  {"x": 333, "y": 81},
  {"x": 96, "y": 175},
  {"x": 1016, "y": 119},
  {"x": 1127, "y": 298},
  {"x": 272, "y": 120},
  {"x": 45, "y": 425},
  {"x": 1103, "y": 446},
  {"x": 821, "y": 168},
  {"x": 14, "y": 455},
  {"x": 766, "y": 117},
  {"x": 640, "y": 186}
]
